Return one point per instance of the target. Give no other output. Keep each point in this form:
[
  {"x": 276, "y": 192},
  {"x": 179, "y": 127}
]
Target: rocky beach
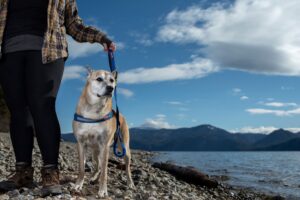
[{"x": 151, "y": 183}]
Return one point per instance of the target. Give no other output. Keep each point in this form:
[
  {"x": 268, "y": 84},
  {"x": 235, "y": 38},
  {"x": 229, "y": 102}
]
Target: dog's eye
[
  {"x": 99, "y": 79},
  {"x": 111, "y": 80}
]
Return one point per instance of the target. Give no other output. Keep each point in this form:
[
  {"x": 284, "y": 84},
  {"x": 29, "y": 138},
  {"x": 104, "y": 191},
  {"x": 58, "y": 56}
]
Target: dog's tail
[{"x": 124, "y": 131}]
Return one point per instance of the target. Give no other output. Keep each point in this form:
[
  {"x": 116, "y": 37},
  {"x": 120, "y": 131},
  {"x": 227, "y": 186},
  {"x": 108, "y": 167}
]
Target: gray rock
[
  {"x": 13, "y": 193},
  {"x": 4, "y": 197}
]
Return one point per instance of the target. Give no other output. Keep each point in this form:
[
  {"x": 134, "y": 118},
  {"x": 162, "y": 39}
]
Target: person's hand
[
  {"x": 108, "y": 44},
  {"x": 112, "y": 47}
]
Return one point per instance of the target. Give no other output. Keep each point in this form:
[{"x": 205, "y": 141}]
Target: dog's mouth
[{"x": 105, "y": 95}]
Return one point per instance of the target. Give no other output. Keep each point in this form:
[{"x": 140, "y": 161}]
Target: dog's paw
[
  {"x": 78, "y": 186},
  {"x": 102, "y": 193},
  {"x": 95, "y": 178},
  {"x": 131, "y": 185}
]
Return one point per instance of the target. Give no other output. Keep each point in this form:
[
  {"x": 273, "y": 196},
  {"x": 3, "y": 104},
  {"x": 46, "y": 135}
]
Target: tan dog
[{"x": 94, "y": 103}]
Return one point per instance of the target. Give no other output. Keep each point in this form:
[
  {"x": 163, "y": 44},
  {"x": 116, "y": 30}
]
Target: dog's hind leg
[
  {"x": 125, "y": 133},
  {"x": 80, "y": 178},
  {"x": 97, "y": 160},
  {"x": 128, "y": 170}
]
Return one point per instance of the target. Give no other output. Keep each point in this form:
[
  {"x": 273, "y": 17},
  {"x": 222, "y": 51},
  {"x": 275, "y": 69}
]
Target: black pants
[{"x": 30, "y": 89}]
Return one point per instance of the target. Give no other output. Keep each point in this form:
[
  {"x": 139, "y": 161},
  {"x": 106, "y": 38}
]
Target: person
[{"x": 33, "y": 53}]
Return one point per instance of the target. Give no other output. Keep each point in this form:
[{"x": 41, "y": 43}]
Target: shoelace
[{"x": 47, "y": 177}]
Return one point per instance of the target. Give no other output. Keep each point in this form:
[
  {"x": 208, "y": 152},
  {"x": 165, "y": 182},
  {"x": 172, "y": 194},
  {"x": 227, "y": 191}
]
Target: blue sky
[{"x": 184, "y": 63}]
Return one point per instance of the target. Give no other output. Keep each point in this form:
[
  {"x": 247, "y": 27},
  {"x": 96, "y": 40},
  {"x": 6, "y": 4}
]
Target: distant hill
[
  {"x": 275, "y": 138},
  {"x": 208, "y": 138},
  {"x": 290, "y": 145},
  {"x": 68, "y": 137},
  {"x": 200, "y": 138}
]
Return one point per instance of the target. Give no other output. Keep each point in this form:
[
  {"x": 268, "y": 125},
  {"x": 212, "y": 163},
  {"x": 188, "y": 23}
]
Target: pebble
[{"x": 4, "y": 197}]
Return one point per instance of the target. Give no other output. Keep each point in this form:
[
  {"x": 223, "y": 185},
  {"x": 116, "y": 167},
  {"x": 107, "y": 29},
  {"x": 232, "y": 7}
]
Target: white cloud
[
  {"x": 158, "y": 122},
  {"x": 280, "y": 104},
  {"x": 236, "y": 90},
  {"x": 120, "y": 45},
  {"x": 125, "y": 92},
  {"x": 280, "y": 113},
  {"x": 262, "y": 129},
  {"x": 160, "y": 116},
  {"x": 251, "y": 35},
  {"x": 181, "y": 116},
  {"x": 74, "y": 72},
  {"x": 142, "y": 39},
  {"x": 197, "y": 68},
  {"x": 146, "y": 42},
  {"x": 181, "y": 106},
  {"x": 174, "y": 102},
  {"x": 286, "y": 88},
  {"x": 77, "y": 50},
  {"x": 244, "y": 98},
  {"x": 294, "y": 130},
  {"x": 183, "y": 109}
]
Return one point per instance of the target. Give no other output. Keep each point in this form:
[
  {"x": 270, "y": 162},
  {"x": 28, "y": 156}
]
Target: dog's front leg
[
  {"x": 97, "y": 160},
  {"x": 80, "y": 178},
  {"x": 103, "y": 176}
]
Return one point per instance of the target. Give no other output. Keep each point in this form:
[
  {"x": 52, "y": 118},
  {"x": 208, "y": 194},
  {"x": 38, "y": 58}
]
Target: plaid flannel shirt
[{"x": 62, "y": 19}]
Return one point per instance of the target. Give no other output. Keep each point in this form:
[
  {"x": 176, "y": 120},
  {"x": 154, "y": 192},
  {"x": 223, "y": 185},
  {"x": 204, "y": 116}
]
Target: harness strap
[{"x": 118, "y": 134}]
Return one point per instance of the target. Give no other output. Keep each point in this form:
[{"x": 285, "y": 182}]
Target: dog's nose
[{"x": 109, "y": 88}]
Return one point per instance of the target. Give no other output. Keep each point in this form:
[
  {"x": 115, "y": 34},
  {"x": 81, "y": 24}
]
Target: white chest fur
[{"x": 91, "y": 133}]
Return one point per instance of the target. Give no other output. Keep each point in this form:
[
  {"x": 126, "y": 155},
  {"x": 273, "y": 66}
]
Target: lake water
[{"x": 269, "y": 172}]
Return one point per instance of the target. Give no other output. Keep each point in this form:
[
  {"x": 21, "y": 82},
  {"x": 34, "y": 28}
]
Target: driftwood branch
[{"x": 187, "y": 174}]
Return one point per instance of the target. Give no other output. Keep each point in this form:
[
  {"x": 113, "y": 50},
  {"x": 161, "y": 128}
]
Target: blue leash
[{"x": 118, "y": 134}]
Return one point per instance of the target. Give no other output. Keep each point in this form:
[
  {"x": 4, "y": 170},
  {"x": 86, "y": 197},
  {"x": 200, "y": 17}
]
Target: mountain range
[{"x": 208, "y": 138}]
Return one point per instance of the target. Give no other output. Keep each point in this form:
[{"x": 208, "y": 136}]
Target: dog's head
[{"x": 102, "y": 83}]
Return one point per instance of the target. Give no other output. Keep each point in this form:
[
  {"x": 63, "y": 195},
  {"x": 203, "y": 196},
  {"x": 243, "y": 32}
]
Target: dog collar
[{"x": 80, "y": 118}]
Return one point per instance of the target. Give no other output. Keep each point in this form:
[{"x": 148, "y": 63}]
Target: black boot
[
  {"x": 50, "y": 181},
  {"x": 22, "y": 177}
]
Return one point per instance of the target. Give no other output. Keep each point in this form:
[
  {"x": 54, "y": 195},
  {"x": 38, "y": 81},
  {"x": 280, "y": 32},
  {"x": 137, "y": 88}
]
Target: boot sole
[
  {"x": 51, "y": 190},
  {"x": 9, "y": 186}
]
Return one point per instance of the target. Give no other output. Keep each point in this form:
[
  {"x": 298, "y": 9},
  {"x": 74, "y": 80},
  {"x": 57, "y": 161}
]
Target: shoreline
[
  {"x": 227, "y": 176},
  {"x": 151, "y": 183},
  {"x": 222, "y": 182}
]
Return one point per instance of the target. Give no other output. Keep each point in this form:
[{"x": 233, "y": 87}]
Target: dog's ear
[
  {"x": 115, "y": 74},
  {"x": 89, "y": 70}
]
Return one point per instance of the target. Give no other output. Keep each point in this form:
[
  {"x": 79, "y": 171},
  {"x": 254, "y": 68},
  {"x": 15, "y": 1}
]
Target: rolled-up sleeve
[{"x": 76, "y": 28}]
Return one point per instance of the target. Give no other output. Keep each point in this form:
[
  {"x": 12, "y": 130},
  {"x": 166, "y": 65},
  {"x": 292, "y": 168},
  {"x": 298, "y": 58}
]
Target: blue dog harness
[
  {"x": 118, "y": 134},
  {"x": 80, "y": 118}
]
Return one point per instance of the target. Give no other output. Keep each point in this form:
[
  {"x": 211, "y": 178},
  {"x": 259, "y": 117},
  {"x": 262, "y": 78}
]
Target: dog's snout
[{"x": 109, "y": 88}]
